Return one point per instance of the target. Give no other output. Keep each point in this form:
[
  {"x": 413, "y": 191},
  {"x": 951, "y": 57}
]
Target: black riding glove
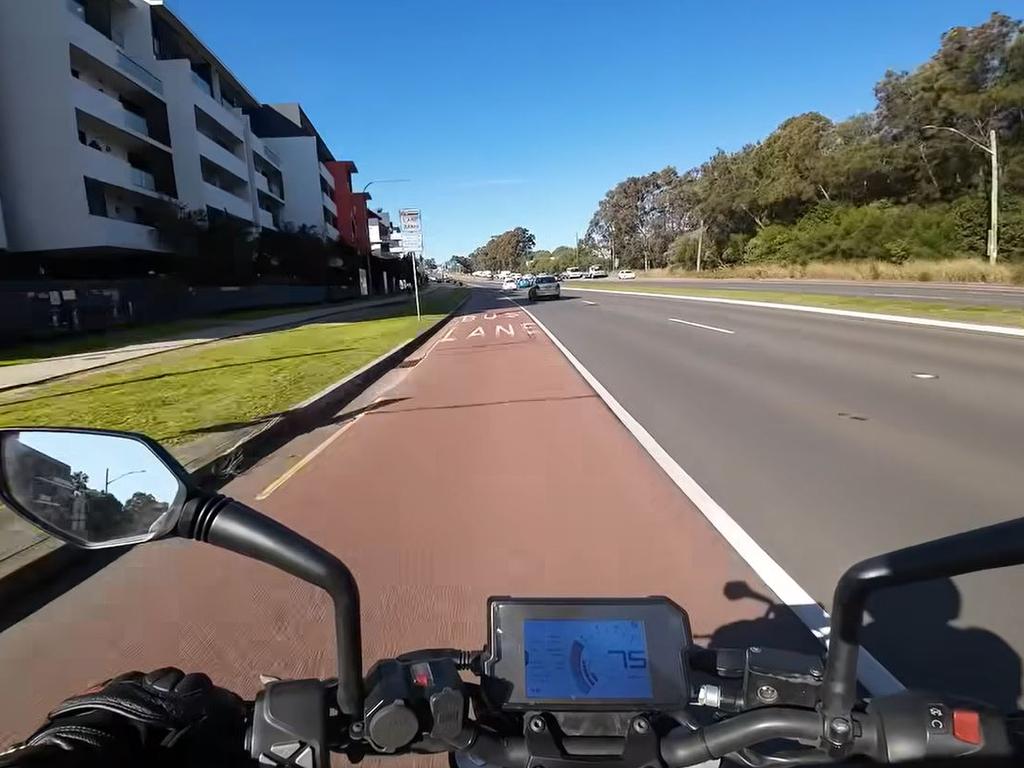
[{"x": 162, "y": 718}]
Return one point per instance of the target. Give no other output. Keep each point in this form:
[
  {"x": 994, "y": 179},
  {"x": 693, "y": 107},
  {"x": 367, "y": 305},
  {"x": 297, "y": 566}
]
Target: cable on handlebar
[{"x": 682, "y": 747}]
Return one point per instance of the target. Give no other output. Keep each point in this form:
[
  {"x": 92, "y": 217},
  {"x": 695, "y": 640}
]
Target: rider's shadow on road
[
  {"x": 910, "y": 631},
  {"x": 912, "y": 634}
]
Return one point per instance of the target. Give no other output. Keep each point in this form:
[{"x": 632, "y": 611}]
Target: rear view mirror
[{"x": 92, "y": 489}]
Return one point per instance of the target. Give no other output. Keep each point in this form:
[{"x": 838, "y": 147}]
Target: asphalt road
[
  {"x": 972, "y": 294},
  {"x": 483, "y": 466},
  {"x": 815, "y": 435}
]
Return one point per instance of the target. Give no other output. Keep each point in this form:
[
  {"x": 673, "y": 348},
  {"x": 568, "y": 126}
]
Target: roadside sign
[{"x": 410, "y": 221}]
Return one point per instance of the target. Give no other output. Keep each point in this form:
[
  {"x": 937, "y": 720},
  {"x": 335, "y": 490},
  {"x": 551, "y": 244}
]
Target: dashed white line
[
  {"x": 590, "y": 303},
  {"x": 701, "y": 325},
  {"x": 1000, "y": 330},
  {"x": 875, "y": 677}
]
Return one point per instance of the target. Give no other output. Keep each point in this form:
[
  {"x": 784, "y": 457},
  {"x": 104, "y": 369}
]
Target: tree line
[{"x": 910, "y": 179}]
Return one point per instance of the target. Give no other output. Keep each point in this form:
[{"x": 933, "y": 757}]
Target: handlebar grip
[{"x": 683, "y": 747}]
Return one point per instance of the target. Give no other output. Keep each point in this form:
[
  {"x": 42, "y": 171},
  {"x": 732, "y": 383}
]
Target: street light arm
[
  {"x": 958, "y": 132},
  {"x": 384, "y": 181}
]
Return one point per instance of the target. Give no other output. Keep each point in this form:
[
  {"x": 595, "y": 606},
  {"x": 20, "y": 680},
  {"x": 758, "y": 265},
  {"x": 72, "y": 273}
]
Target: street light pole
[
  {"x": 369, "y": 267},
  {"x": 993, "y": 151}
]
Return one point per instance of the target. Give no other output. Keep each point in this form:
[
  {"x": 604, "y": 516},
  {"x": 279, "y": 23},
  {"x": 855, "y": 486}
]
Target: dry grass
[{"x": 950, "y": 271}]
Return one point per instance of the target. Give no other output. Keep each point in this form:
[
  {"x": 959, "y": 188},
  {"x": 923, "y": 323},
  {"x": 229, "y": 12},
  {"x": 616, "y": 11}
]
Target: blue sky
[{"x": 525, "y": 112}]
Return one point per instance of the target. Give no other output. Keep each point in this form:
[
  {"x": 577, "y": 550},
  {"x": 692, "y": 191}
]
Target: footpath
[
  {"x": 64, "y": 365},
  {"x": 488, "y": 467}
]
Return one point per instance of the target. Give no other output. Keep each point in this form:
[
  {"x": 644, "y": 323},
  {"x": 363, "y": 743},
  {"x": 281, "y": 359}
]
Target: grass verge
[
  {"x": 947, "y": 271},
  {"x": 1008, "y": 316},
  {"x": 185, "y": 394},
  {"x": 100, "y": 340}
]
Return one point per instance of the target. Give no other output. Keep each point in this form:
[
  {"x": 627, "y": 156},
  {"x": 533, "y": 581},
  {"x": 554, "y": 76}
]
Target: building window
[
  {"x": 81, "y": 137},
  {"x": 96, "y": 197},
  {"x": 76, "y": 74}
]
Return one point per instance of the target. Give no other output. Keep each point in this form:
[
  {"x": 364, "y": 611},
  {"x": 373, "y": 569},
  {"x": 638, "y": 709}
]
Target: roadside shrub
[{"x": 880, "y": 231}]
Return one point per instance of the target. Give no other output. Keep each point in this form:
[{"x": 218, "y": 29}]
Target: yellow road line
[{"x": 293, "y": 470}]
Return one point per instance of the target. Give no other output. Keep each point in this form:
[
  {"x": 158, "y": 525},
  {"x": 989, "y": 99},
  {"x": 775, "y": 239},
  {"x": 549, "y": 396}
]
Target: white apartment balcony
[
  {"x": 222, "y": 157},
  {"x": 108, "y": 49},
  {"x": 331, "y": 232},
  {"x": 223, "y": 200},
  {"x": 115, "y": 233},
  {"x": 329, "y": 203},
  {"x": 108, "y": 109},
  {"x": 326, "y": 174},
  {"x": 228, "y": 117},
  {"x": 110, "y": 169},
  {"x": 267, "y": 220}
]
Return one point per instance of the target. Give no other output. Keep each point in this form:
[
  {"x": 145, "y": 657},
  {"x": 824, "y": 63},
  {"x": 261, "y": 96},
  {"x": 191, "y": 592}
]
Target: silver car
[{"x": 545, "y": 287}]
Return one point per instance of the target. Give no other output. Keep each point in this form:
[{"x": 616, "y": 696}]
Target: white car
[
  {"x": 573, "y": 273},
  {"x": 596, "y": 271},
  {"x": 508, "y": 285},
  {"x": 626, "y": 274}
]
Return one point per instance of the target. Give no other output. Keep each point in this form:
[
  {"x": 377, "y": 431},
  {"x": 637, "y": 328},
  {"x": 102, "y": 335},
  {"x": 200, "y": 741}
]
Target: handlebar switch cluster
[
  {"x": 413, "y": 697},
  {"x": 915, "y": 726},
  {"x": 289, "y": 727}
]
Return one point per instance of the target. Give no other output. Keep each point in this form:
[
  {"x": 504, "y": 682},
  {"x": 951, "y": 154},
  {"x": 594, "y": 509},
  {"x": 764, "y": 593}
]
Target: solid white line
[
  {"x": 947, "y": 324},
  {"x": 292, "y": 471},
  {"x": 699, "y": 325},
  {"x": 872, "y": 674},
  {"x": 590, "y": 303}
]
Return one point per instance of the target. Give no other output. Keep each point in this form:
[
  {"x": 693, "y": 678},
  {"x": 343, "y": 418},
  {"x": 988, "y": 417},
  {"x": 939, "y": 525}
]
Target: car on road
[
  {"x": 596, "y": 271},
  {"x": 508, "y": 285},
  {"x": 545, "y": 287},
  {"x": 626, "y": 274},
  {"x": 572, "y": 273},
  {"x": 524, "y": 283}
]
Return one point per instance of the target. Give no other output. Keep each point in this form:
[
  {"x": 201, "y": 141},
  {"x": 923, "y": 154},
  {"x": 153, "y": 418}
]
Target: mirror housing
[{"x": 92, "y": 488}]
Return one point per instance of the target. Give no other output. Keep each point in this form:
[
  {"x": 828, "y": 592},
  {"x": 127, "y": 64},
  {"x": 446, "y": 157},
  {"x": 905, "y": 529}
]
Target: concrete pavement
[
  {"x": 829, "y": 440},
  {"x": 55, "y": 367},
  {"x": 489, "y": 468}
]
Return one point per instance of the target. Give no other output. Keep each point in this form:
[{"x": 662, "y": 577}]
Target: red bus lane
[{"x": 491, "y": 468}]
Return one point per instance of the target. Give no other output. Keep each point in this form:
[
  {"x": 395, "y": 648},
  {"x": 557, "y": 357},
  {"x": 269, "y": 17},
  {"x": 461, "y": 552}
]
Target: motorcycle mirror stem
[
  {"x": 231, "y": 525},
  {"x": 995, "y": 546}
]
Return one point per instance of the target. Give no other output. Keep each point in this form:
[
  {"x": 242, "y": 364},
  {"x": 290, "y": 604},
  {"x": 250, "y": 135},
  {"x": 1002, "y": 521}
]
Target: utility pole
[
  {"x": 700, "y": 244},
  {"x": 993, "y": 234},
  {"x": 993, "y": 151}
]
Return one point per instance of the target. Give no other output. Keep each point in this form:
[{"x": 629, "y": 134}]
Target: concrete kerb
[{"x": 60, "y": 568}]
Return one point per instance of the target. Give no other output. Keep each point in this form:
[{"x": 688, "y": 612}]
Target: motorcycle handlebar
[{"x": 681, "y": 747}]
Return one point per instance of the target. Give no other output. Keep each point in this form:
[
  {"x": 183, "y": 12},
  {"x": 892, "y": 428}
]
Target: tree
[
  {"x": 509, "y": 250},
  {"x": 635, "y": 220},
  {"x": 79, "y": 481}
]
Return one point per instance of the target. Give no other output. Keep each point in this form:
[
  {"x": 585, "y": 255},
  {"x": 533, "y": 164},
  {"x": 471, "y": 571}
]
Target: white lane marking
[
  {"x": 925, "y": 375},
  {"x": 292, "y": 471},
  {"x": 947, "y": 324},
  {"x": 699, "y": 325},
  {"x": 914, "y": 296},
  {"x": 590, "y": 303},
  {"x": 872, "y": 674}
]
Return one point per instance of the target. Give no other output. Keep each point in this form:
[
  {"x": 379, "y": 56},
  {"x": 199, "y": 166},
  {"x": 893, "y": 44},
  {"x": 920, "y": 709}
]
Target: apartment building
[
  {"x": 289, "y": 132},
  {"x": 351, "y": 205},
  {"x": 113, "y": 113}
]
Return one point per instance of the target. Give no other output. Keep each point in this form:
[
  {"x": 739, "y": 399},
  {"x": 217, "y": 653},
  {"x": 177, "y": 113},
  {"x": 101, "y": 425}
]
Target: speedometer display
[{"x": 586, "y": 659}]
